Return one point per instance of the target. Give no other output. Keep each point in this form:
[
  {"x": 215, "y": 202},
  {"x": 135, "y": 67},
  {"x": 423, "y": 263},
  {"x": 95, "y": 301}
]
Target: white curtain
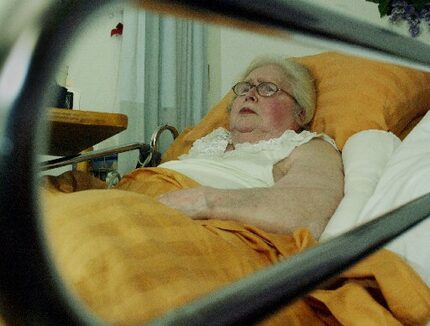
[{"x": 162, "y": 76}]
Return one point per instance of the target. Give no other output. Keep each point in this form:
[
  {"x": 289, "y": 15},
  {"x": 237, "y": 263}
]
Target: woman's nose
[{"x": 251, "y": 95}]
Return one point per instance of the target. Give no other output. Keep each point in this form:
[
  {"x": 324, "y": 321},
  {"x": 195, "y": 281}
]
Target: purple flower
[{"x": 402, "y": 10}]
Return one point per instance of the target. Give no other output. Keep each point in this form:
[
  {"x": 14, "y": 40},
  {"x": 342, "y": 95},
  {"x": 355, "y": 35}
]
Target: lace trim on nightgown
[{"x": 215, "y": 143}]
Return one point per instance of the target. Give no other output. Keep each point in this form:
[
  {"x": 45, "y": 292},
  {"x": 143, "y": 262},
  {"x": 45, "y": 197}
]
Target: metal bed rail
[
  {"x": 32, "y": 44},
  {"x": 148, "y": 154},
  {"x": 144, "y": 151}
]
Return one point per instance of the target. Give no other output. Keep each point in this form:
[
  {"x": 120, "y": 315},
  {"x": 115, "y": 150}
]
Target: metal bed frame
[{"x": 33, "y": 43}]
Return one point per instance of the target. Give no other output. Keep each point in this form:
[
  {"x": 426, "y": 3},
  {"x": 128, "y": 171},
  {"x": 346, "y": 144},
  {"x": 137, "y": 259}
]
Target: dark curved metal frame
[{"x": 31, "y": 292}]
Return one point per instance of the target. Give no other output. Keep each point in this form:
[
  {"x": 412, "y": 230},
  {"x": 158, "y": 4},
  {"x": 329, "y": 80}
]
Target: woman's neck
[{"x": 251, "y": 137}]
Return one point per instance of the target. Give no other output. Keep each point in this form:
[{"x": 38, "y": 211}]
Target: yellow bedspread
[{"x": 132, "y": 259}]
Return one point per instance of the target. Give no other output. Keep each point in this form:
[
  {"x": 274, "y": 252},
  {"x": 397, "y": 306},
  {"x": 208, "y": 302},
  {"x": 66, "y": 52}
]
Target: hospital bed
[{"x": 36, "y": 45}]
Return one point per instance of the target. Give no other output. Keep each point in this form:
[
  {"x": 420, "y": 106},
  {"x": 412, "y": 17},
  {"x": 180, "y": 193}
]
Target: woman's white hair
[{"x": 300, "y": 81}]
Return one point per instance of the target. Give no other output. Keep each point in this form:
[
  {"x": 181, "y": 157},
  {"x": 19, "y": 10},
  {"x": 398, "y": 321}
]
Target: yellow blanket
[{"x": 132, "y": 259}]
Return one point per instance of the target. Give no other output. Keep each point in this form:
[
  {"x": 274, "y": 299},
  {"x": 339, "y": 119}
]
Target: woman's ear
[{"x": 300, "y": 115}]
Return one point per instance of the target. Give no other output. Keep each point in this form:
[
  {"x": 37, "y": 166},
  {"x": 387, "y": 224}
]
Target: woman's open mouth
[{"x": 246, "y": 111}]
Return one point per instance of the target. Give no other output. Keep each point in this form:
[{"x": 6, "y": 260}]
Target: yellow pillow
[{"x": 353, "y": 94}]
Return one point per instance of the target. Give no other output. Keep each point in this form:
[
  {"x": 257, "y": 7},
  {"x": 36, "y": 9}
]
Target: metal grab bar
[{"x": 155, "y": 138}]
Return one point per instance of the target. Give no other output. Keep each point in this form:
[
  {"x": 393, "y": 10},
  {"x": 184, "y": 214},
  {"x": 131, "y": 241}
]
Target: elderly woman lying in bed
[
  {"x": 266, "y": 170},
  {"x": 255, "y": 194}
]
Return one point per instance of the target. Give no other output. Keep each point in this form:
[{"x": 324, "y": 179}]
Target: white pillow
[
  {"x": 406, "y": 177},
  {"x": 364, "y": 156}
]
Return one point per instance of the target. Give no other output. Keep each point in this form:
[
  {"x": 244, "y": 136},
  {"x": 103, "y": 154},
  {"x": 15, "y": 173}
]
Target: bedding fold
[{"x": 131, "y": 259}]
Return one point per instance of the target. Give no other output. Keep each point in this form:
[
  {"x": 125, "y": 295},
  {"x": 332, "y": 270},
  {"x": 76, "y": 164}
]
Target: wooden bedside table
[{"x": 72, "y": 131}]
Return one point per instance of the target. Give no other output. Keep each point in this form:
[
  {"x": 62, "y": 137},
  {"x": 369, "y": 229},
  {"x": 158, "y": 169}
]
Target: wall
[{"x": 93, "y": 62}]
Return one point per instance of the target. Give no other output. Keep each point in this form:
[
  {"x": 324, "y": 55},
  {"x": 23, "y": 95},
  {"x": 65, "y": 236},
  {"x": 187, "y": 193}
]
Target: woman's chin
[
  {"x": 245, "y": 126},
  {"x": 245, "y": 130}
]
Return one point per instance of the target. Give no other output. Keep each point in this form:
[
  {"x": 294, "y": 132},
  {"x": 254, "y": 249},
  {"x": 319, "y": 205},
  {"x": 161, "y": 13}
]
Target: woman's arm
[{"x": 308, "y": 188}]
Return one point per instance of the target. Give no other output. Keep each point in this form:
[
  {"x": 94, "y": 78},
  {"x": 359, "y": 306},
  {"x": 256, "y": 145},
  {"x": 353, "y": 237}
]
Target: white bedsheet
[{"x": 406, "y": 176}]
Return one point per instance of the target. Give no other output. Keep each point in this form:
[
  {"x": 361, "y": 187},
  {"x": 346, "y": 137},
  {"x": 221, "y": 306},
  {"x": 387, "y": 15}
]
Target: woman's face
[{"x": 254, "y": 117}]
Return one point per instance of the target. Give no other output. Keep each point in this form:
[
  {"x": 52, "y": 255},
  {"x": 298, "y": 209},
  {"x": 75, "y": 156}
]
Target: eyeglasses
[{"x": 265, "y": 89}]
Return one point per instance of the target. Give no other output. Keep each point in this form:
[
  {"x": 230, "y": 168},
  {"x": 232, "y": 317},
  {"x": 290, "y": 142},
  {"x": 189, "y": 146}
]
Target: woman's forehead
[{"x": 272, "y": 73}]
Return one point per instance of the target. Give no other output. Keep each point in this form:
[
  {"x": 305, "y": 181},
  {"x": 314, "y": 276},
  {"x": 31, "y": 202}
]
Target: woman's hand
[{"x": 189, "y": 201}]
